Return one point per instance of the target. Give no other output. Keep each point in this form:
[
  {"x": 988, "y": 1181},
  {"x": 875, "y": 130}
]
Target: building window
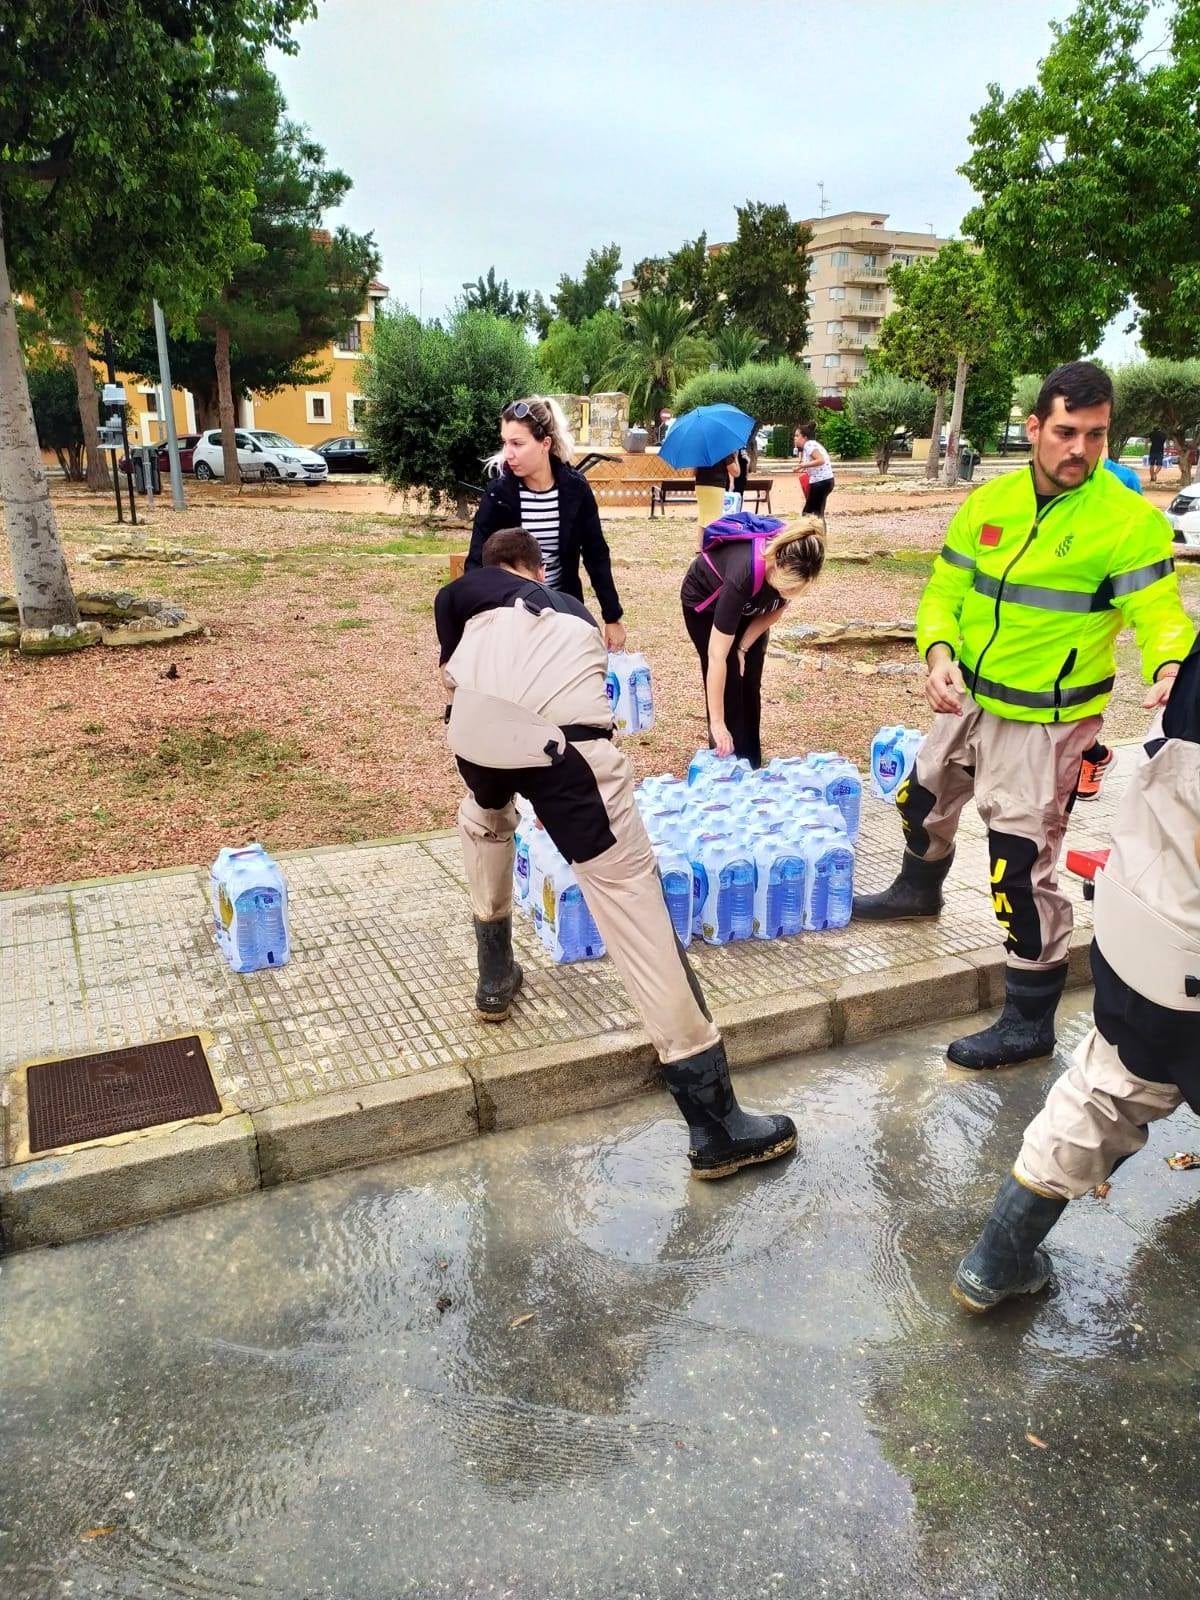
[
  {"x": 837, "y": 294},
  {"x": 316, "y": 406},
  {"x": 902, "y": 261},
  {"x": 350, "y": 343},
  {"x": 869, "y": 262},
  {"x": 833, "y": 327},
  {"x": 355, "y": 406},
  {"x": 833, "y": 361},
  {"x": 840, "y": 258}
]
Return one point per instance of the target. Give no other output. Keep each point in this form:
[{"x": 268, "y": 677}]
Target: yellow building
[{"x": 325, "y": 409}]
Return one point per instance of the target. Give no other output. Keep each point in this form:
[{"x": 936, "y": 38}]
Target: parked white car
[
  {"x": 262, "y": 454},
  {"x": 1184, "y": 515}
]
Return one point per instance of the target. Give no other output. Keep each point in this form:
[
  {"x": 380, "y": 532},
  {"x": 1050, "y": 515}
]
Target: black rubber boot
[
  {"x": 499, "y": 975},
  {"x": 1024, "y": 1030},
  {"x": 724, "y": 1137},
  {"x": 917, "y": 892},
  {"x": 1006, "y": 1260}
]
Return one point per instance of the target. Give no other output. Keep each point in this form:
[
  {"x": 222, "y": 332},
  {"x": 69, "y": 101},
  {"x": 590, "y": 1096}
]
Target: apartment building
[{"x": 849, "y": 297}]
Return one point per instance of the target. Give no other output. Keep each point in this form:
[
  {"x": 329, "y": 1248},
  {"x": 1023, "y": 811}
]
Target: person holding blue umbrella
[{"x": 708, "y": 440}]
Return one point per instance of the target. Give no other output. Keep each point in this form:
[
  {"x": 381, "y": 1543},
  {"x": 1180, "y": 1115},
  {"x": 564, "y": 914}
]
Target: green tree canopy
[
  {"x": 574, "y": 357},
  {"x": 1160, "y": 394},
  {"x": 735, "y": 345},
  {"x": 296, "y": 288},
  {"x": 116, "y": 184},
  {"x": 885, "y": 404},
  {"x": 495, "y": 296},
  {"x": 435, "y": 395},
  {"x": 661, "y": 349},
  {"x": 55, "y": 402},
  {"x": 1081, "y": 176},
  {"x": 776, "y": 392},
  {"x": 763, "y": 276},
  {"x": 594, "y": 290},
  {"x": 685, "y": 274}
]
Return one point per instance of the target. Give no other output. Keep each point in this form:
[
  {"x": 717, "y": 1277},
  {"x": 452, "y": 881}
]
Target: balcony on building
[
  {"x": 866, "y": 308},
  {"x": 862, "y": 274},
  {"x": 854, "y": 341}
]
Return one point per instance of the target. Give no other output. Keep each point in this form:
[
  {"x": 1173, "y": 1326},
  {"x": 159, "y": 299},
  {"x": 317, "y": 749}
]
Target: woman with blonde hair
[
  {"x": 532, "y": 485},
  {"x": 731, "y": 594}
]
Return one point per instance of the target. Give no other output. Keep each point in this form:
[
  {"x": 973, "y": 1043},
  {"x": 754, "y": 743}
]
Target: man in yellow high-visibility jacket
[{"x": 1039, "y": 573}]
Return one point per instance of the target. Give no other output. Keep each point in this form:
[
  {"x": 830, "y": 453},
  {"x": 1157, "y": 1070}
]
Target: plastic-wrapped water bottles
[
  {"x": 568, "y": 930},
  {"x": 727, "y": 911},
  {"x": 249, "y": 905},
  {"x": 893, "y": 756},
  {"x": 630, "y": 692},
  {"x": 641, "y": 691}
]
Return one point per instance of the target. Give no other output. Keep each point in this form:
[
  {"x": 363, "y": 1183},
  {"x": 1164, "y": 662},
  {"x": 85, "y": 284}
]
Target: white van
[{"x": 261, "y": 454}]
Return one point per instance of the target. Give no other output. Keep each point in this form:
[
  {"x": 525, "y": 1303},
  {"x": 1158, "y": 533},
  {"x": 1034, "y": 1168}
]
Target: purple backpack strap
[{"x": 704, "y": 604}]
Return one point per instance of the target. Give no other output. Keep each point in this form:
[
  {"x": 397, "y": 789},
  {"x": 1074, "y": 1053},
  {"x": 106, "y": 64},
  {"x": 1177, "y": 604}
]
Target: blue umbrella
[{"x": 705, "y": 436}]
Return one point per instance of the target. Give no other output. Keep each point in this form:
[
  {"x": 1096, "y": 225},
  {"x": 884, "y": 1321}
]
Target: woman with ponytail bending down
[{"x": 732, "y": 593}]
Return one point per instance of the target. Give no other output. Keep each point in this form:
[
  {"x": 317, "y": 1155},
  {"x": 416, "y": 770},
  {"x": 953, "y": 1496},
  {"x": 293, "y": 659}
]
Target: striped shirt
[{"x": 539, "y": 516}]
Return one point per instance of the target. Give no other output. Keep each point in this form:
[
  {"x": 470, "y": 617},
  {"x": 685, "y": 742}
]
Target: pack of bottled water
[
  {"x": 893, "y": 756},
  {"x": 770, "y": 853},
  {"x": 546, "y": 888},
  {"x": 630, "y": 692},
  {"x": 249, "y": 907}
]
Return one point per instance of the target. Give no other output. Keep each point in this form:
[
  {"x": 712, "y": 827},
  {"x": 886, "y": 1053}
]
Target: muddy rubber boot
[
  {"x": 499, "y": 975},
  {"x": 1006, "y": 1260},
  {"x": 1024, "y": 1030},
  {"x": 724, "y": 1137},
  {"x": 917, "y": 892}
]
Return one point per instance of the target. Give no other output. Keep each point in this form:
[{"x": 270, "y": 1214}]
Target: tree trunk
[
  {"x": 229, "y": 454},
  {"x": 933, "y": 460},
  {"x": 1182, "y": 449},
  {"x": 956, "y": 410},
  {"x": 89, "y": 405},
  {"x": 44, "y": 595},
  {"x": 208, "y": 409}
]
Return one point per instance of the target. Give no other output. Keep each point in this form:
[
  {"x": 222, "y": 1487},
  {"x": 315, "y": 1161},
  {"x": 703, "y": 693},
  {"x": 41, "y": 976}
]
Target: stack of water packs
[{"x": 741, "y": 854}]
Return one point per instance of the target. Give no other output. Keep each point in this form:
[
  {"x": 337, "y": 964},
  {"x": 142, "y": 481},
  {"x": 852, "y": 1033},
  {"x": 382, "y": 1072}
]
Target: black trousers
[
  {"x": 814, "y": 501},
  {"x": 743, "y": 689}
]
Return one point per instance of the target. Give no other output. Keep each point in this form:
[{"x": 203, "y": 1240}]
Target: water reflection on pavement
[{"x": 548, "y": 1365}]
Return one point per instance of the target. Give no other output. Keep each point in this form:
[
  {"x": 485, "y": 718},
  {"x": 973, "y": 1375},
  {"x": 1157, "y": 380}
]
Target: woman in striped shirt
[{"x": 533, "y": 486}]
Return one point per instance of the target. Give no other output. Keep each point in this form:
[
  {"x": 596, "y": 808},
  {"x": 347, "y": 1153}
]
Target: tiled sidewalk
[{"x": 380, "y": 983}]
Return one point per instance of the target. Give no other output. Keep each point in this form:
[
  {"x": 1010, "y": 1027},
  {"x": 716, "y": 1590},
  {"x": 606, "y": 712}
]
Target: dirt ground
[{"x": 309, "y": 712}]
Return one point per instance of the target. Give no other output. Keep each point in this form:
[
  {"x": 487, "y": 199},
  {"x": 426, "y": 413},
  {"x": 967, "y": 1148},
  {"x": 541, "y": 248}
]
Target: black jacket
[{"x": 579, "y": 532}]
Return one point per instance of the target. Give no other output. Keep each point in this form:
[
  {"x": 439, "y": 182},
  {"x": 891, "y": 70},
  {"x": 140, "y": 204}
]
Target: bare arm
[
  {"x": 719, "y": 646},
  {"x": 759, "y": 626}
]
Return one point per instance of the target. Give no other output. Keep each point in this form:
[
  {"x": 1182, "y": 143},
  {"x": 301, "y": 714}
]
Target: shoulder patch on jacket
[{"x": 990, "y": 533}]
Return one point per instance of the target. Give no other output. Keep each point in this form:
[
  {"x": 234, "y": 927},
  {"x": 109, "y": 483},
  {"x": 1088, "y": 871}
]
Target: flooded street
[{"x": 547, "y": 1365}]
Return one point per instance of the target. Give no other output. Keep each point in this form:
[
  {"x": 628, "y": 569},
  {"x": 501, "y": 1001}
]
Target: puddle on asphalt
[{"x": 547, "y": 1365}]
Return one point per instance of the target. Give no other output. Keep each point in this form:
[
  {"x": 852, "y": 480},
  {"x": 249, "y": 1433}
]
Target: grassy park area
[{"x": 309, "y": 714}]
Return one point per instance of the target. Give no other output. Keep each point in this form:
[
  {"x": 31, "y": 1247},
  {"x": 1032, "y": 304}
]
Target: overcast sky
[{"x": 489, "y": 133}]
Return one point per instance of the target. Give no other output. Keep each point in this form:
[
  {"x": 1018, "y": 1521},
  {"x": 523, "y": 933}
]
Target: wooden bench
[{"x": 683, "y": 490}]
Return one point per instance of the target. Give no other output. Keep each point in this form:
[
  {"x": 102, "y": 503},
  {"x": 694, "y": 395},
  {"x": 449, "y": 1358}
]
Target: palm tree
[
  {"x": 662, "y": 349},
  {"x": 735, "y": 345}
]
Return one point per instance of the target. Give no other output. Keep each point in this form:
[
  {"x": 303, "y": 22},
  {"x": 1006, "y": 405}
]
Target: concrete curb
[{"x": 63, "y": 1198}]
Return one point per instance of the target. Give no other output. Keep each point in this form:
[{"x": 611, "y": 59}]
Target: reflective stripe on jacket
[{"x": 1032, "y": 604}]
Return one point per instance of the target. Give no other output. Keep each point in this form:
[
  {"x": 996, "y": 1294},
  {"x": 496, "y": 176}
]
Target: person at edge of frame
[
  {"x": 1141, "y": 1059},
  {"x": 1041, "y": 569},
  {"x": 525, "y": 668}
]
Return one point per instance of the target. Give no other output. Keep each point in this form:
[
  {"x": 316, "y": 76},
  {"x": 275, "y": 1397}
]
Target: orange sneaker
[{"x": 1091, "y": 776}]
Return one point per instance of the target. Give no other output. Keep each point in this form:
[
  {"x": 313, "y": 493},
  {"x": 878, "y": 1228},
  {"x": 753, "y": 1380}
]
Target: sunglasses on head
[{"x": 518, "y": 411}]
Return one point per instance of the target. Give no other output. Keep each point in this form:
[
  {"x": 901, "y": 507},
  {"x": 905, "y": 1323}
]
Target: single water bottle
[
  {"x": 521, "y": 865},
  {"x": 573, "y": 917},
  {"x": 845, "y": 792},
  {"x": 641, "y": 692},
  {"x": 675, "y": 871},
  {"x": 612, "y": 691},
  {"x": 737, "y": 893},
  {"x": 840, "y": 894},
  {"x": 699, "y": 764}
]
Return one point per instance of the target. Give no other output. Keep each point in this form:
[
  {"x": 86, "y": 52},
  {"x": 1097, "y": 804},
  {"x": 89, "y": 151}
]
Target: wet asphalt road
[{"x": 545, "y": 1365}]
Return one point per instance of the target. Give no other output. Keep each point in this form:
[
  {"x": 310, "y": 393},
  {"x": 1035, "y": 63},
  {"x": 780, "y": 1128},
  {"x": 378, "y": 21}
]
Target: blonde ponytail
[{"x": 797, "y": 553}]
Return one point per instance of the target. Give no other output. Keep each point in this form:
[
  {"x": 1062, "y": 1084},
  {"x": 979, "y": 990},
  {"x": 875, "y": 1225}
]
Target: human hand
[
  {"x": 722, "y": 739},
  {"x": 944, "y": 687},
  {"x": 614, "y": 636},
  {"x": 1160, "y": 690}
]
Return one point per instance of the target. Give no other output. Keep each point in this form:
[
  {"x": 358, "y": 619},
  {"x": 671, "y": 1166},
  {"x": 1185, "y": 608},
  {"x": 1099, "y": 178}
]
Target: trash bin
[
  {"x": 143, "y": 468},
  {"x": 636, "y": 440},
  {"x": 968, "y": 460}
]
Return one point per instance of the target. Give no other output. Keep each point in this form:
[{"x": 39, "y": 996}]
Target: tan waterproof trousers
[
  {"x": 620, "y": 883},
  {"x": 1023, "y": 777},
  {"x": 1095, "y": 1115}
]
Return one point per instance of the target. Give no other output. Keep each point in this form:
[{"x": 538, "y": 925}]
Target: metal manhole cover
[{"x": 118, "y": 1091}]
